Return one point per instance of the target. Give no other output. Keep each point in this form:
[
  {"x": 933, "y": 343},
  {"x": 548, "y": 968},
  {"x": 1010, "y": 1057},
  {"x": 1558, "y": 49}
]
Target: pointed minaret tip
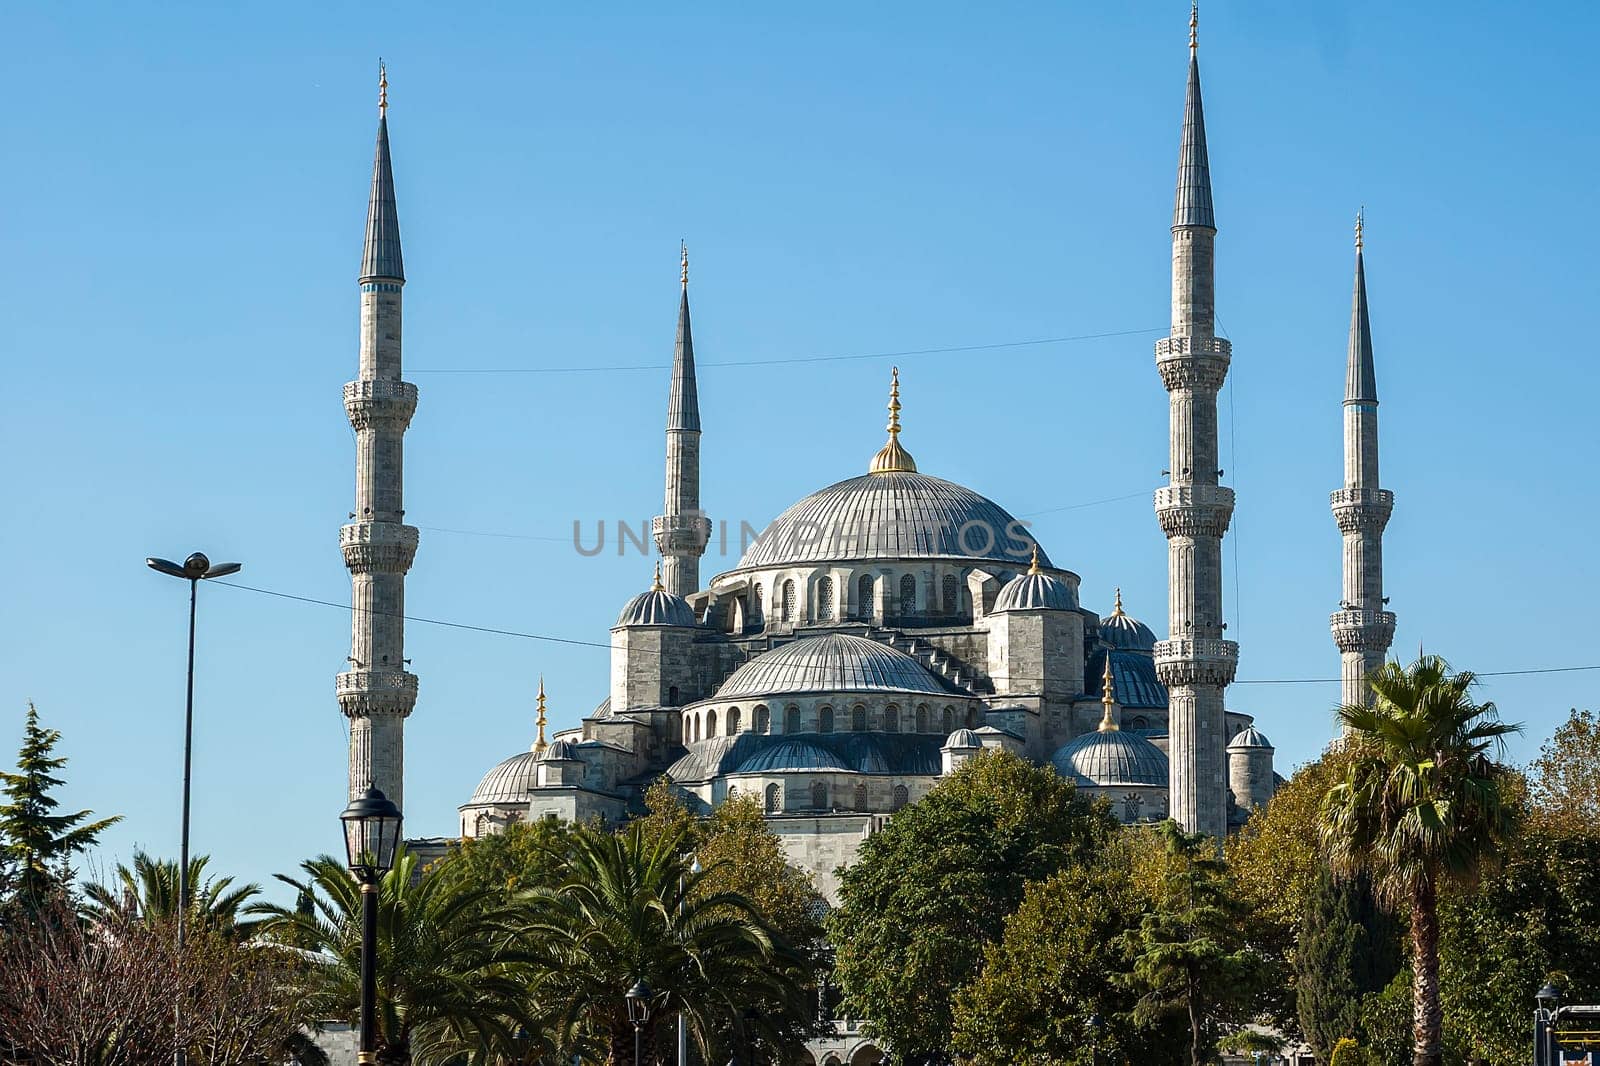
[
  {"x": 1192, "y": 206},
  {"x": 1194, "y": 28},
  {"x": 380, "y": 254},
  {"x": 1361, "y": 217},
  {"x": 683, "y": 248},
  {"x": 383, "y": 89},
  {"x": 1361, "y": 376}
]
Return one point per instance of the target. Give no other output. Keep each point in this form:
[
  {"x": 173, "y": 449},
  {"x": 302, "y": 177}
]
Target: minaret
[
  {"x": 681, "y": 533},
  {"x": 1195, "y": 663},
  {"x": 1362, "y": 629},
  {"x": 377, "y": 693}
]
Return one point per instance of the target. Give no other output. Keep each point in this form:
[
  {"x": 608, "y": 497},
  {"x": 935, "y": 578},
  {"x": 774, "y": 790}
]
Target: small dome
[
  {"x": 1112, "y": 757},
  {"x": 657, "y": 607},
  {"x": 792, "y": 755},
  {"x": 1123, "y": 631},
  {"x": 837, "y": 662},
  {"x": 963, "y": 738},
  {"x": 1250, "y": 737},
  {"x": 508, "y": 782},
  {"x": 1035, "y": 590},
  {"x": 560, "y": 751},
  {"x": 603, "y": 710}
]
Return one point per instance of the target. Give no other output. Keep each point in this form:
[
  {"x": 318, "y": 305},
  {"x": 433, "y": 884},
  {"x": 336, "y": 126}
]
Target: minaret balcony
[
  {"x": 1193, "y": 362},
  {"x": 380, "y": 402},
  {"x": 367, "y": 692},
  {"x": 1196, "y": 661},
  {"x": 1362, "y": 510},
  {"x": 1357, "y": 630},
  {"x": 681, "y": 533},
  {"x": 378, "y": 547},
  {"x": 1194, "y": 510}
]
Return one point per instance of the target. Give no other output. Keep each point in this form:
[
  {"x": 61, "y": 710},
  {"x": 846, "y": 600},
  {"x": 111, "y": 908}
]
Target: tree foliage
[
  {"x": 150, "y": 891},
  {"x": 931, "y": 890},
  {"x": 1564, "y": 781},
  {"x": 1349, "y": 947}
]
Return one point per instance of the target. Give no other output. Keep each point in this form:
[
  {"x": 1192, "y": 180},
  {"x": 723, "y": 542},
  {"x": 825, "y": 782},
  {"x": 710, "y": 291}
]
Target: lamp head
[
  {"x": 371, "y": 834},
  {"x": 1549, "y": 995},
  {"x": 639, "y": 1003},
  {"x": 196, "y": 565}
]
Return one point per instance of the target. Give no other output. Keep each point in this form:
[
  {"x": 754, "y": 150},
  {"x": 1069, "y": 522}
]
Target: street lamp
[
  {"x": 195, "y": 569},
  {"x": 1548, "y": 999},
  {"x": 638, "y": 1012},
  {"x": 371, "y": 834}
]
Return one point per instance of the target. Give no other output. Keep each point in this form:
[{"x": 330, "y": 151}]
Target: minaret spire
[
  {"x": 539, "y": 744},
  {"x": 377, "y": 693},
  {"x": 1362, "y": 629},
  {"x": 682, "y": 532},
  {"x": 1195, "y": 663}
]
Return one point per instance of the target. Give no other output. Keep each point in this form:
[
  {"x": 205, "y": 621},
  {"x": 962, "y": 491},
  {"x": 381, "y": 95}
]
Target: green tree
[
  {"x": 150, "y": 891},
  {"x": 1421, "y": 807},
  {"x": 40, "y": 844},
  {"x": 1349, "y": 947},
  {"x": 1050, "y": 975},
  {"x": 1188, "y": 954},
  {"x": 1564, "y": 781},
  {"x": 931, "y": 890},
  {"x": 449, "y": 978},
  {"x": 521, "y": 856},
  {"x": 632, "y": 909}
]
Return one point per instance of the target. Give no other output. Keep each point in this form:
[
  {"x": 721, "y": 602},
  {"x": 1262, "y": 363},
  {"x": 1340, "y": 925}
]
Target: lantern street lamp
[
  {"x": 1548, "y": 999},
  {"x": 371, "y": 835},
  {"x": 195, "y": 569},
  {"x": 638, "y": 998}
]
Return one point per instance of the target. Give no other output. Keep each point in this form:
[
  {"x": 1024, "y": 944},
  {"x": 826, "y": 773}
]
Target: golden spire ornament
[
  {"x": 1033, "y": 567},
  {"x": 656, "y": 585},
  {"x": 539, "y": 745},
  {"x": 383, "y": 90},
  {"x": 892, "y": 458},
  {"x": 1108, "y": 700},
  {"x": 1361, "y": 219},
  {"x": 683, "y": 248},
  {"x": 1194, "y": 27},
  {"x": 1116, "y": 608}
]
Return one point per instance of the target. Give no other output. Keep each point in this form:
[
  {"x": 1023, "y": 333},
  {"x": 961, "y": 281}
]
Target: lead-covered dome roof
[
  {"x": 656, "y": 607},
  {"x": 896, "y": 514},
  {"x": 1034, "y": 591},
  {"x": 508, "y": 782},
  {"x": 1110, "y": 758},
  {"x": 1121, "y": 630},
  {"x": 1250, "y": 737},
  {"x": 836, "y": 662}
]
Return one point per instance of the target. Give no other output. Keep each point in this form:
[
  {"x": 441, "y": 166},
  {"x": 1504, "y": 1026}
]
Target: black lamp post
[
  {"x": 638, "y": 1013},
  {"x": 371, "y": 834},
  {"x": 194, "y": 570},
  {"x": 1548, "y": 999}
]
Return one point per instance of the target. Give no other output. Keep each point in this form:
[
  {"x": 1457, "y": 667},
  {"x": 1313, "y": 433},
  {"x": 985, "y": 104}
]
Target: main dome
[
  {"x": 892, "y": 515},
  {"x": 838, "y": 662}
]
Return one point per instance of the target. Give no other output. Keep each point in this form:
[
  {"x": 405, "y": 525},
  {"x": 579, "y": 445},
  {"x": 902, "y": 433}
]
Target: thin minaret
[
  {"x": 1362, "y": 629},
  {"x": 1195, "y": 663},
  {"x": 681, "y": 533},
  {"x": 377, "y": 693}
]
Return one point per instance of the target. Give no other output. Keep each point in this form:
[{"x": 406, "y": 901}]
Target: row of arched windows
[
  {"x": 772, "y": 797},
  {"x": 703, "y": 725},
  {"x": 826, "y": 606}
]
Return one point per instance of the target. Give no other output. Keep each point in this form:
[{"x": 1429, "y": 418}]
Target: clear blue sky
[{"x": 185, "y": 190}]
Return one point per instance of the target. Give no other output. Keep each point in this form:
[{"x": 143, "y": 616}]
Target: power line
[
  {"x": 495, "y": 631},
  {"x": 790, "y": 359}
]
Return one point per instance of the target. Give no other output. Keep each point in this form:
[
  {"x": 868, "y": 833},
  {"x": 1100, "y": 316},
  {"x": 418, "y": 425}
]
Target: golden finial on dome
[
  {"x": 539, "y": 745},
  {"x": 1116, "y": 608},
  {"x": 1033, "y": 567},
  {"x": 1108, "y": 700},
  {"x": 1360, "y": 222},
  {"x": 656, "y": 585},
  {"x": 683, "y": 248},
  {"x": 383, "y": 89},
  {"x": 1194, "y": 27},
  {"x": 892, "y": 458}
]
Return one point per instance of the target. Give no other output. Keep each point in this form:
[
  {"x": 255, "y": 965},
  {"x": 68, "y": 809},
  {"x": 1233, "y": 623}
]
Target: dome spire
[
  {"x": 892, "y": 458},
  {"x": 539, "y": 745},
  {"x": 1108, "y": 700},
  {"x": 1116, "y": 607},
  {"x": 1033, "y": 567},
  {"x": 656, "y": 585}
]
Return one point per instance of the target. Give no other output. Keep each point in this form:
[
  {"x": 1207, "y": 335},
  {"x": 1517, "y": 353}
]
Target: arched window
[
  {"x": 791, "y": 719},
  {"x": 688, "y": 727},
  {"x": 786, "y": 608},
  {"x": 1132, "y": 807},
  {"x": 819, "y": 796},
  {"x": 902, "y": 796},
  {"x": 711, "y": 724},
  {"x": 861, "y": 796},
  {"x": 922, "y": 717},
  {"x": 774, "y": 802},
  {"x": 891, "y": 719},
  {"x": 972, "y": 717},
  {"x": 758, "y": 606},
  {"x": 672, "y": 696},
  {"x": 825, "y": 599},
  {"x": 1141, "y": 722},
  {"x": 733, "y": 791},
  {"x": 763, "y": 722},
  {"x": 864, "y": 596},
  {"x": 952, "y": 601},
  {"x": 825, "y": 720},
  {"x": 858, "y": 718},
  {"x": 908, "y": 594},
  {"x": 733, "y": 721},
  {"x": 947, "y": 721},
  {"x": 697, "y": 727}
]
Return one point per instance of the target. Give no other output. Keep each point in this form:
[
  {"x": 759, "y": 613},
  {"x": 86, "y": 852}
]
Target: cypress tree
[{"x": 1348, "y": 947}]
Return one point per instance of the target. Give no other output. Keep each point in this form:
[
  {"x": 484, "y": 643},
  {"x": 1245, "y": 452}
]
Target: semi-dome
[
  {"x": 963, "y": 738},
  {"x": 656, "y": 607},
  {"x": 1134, "y": 673},
  {"x": 509, "y": 781},
  {"x": 560, "y": 751},
  {"x": 1250, "y": 737},
  {"x": 792, "y": 755},
  {"x": 1121, "y": 630},
  {"x": 892, "y": 515},
  {"x": 1033, "y": 591},
  {"x": 836, "y": 662},
  {"x": 903, "y": 754},
  {"x": 1111, "y": 757}
]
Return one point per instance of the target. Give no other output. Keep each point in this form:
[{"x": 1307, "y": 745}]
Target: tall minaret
[
  {"x": 1196, "y": 663},
  {"x": 377, "y": 693},
  {"x": 681, "y": 533},
  {"x": 1361, "y": 627}
]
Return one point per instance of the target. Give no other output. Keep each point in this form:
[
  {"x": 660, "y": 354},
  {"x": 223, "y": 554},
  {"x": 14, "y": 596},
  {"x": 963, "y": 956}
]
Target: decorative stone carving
[
  {"x": 1193, "y": 363},
  {"x": 368, "y": 692},
  {"x": 1362, "y": 510},
  {"x": 1360, "y": 631},
  {"x": 378, "y": 547},
  {"x": 1194, "y": 510},
  {"x": 1199, "y": 661},
  {"x": 380, "y": 403}
]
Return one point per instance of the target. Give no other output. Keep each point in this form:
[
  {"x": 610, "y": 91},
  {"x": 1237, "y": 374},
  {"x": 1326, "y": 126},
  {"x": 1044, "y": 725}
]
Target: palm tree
[
  {"x": 449, "y": 978},
  {"x": 150, "y": 891},
  {"x": 634, "y": 909},
  {"x": 1421, "y": 807}
]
